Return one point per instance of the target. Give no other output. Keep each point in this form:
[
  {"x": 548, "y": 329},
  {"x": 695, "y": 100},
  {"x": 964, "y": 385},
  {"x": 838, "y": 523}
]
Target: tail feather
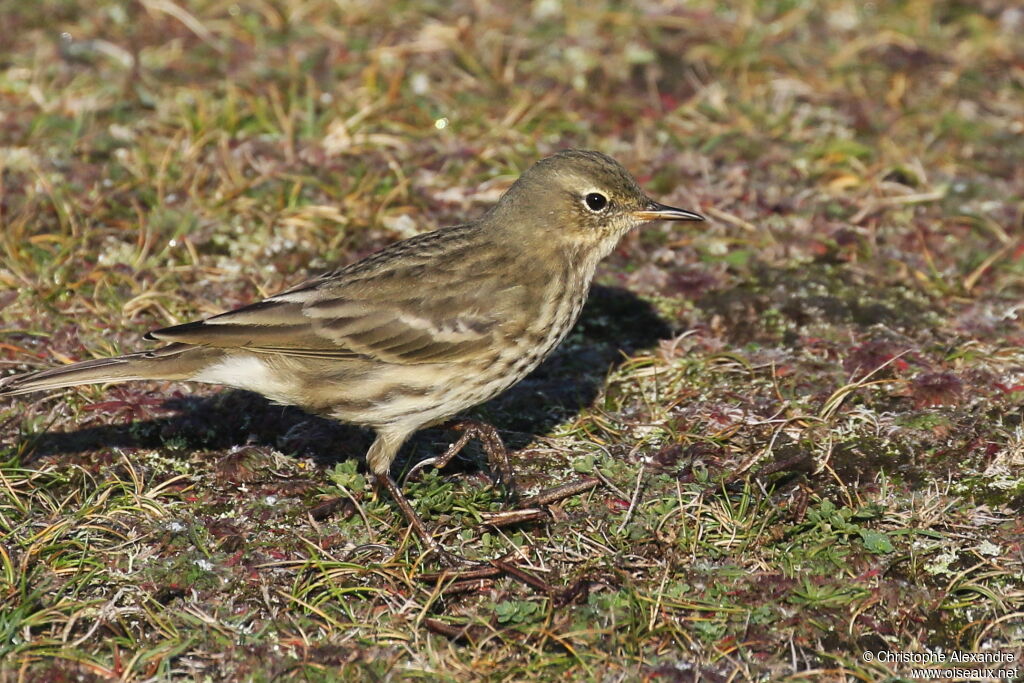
[
  {"x": 87, "y": 372},
  {"x": 172, "y": 362}
]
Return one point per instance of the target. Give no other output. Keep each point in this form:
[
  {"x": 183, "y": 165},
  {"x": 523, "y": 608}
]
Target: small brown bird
[{"x": 419, "y": 331}]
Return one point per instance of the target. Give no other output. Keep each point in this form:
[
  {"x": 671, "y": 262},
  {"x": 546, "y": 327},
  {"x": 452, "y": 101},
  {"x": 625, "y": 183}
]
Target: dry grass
[{"x": 806, "y": 418}]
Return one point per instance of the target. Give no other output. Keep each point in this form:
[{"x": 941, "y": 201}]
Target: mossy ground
[{"x": 804, "y": 415}]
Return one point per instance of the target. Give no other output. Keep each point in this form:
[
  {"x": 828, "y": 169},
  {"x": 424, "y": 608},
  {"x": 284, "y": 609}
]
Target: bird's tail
[{"x": 172, "y": 362}]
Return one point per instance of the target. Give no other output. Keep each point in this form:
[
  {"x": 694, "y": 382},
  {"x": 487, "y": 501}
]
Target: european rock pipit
[{"x": 419, "y": 331}]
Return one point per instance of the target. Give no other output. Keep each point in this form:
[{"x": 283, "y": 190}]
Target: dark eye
[{"x": 596, "y": 201}]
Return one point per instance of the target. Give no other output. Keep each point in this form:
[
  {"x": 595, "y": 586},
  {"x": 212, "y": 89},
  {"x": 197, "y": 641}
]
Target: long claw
[{"x": 416, "y": 469}]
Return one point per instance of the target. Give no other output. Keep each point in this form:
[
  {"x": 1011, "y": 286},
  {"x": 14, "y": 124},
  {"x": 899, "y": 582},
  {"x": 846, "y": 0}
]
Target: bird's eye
[{"x": 596, "y": 201}]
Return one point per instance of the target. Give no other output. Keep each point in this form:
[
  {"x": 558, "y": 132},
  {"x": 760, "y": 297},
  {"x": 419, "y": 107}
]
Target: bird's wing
[{"x": 334, "y": 319}]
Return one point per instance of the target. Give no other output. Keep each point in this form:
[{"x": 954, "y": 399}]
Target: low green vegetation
[{"x": 803, "y": 416}]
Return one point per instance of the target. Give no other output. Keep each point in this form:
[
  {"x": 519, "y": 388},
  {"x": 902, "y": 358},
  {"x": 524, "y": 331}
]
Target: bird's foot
[{"x": 497, "y": 454}]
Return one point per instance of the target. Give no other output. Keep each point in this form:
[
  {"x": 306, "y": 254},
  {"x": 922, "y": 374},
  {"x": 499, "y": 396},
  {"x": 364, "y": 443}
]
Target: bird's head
[{"x": 583, "y": 196}]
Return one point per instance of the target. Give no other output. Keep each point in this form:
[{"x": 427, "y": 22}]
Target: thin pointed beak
[{"x": 660, "y": 212}]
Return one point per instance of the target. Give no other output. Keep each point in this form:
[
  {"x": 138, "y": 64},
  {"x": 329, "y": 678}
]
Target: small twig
[
  {"x": 453, "y": 632},
  {"x": 479, "y": 571},
  {"x": 972, "y": 278},
  {"x": 533, "y": 507},
  {"x": 468, "y": 586},
  {"x": 557, "y": 493},
  {"x": 727, "y": 217},
  {"x": 633, "y": 502},
  {"x": 525, "y": 577},
  {"x": 359, "y": 509},
  {"x": 604, "y": 480},
  {"x": 509, "y": 517}
]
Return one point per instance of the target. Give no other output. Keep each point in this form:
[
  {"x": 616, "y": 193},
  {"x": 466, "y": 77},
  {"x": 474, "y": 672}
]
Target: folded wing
[{"x": 330, "y": 320}]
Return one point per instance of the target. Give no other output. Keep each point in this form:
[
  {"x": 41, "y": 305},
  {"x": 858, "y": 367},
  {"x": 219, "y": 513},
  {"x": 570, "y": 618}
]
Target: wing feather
[{"x": 330, "y": 320}]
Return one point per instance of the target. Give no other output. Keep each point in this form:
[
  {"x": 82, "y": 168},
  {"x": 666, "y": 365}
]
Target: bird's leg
[
  {"x": 497, "y": 454},
  {"x": 446, "y": 558},
  {"x": 498, "y": 459}
]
